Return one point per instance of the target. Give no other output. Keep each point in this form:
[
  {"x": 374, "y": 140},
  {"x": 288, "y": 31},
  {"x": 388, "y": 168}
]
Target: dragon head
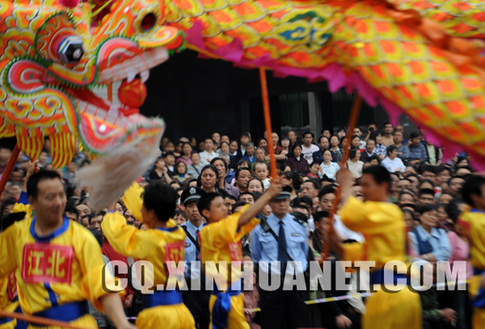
[{"x": 59, "y": 74}]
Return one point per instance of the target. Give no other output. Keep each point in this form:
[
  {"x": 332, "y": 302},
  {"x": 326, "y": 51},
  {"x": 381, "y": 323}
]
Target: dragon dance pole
[
  {"x": 267, "y": 120},
  {"x": 354, "y": 116},
  {"x": 38, "y": 320},
  {"x": 9, "y": 168}
]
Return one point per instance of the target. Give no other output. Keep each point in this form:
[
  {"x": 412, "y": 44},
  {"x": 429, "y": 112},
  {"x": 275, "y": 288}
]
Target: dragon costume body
[
  {"x": 391, "y": 56},
  {"x": 52, "y": 61}
]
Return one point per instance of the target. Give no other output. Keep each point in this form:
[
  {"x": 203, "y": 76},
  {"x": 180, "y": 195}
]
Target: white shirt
[
  {"x": 330, "y": 170},
  {"x": 393, "y": 165},
  {"x": 206, "y": 157},
  {"x": 308, "y": 152}
]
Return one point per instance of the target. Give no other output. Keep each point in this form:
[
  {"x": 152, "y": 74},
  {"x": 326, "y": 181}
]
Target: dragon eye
[
  {"x": 70, "y": 49},
  {"x": 148, "y": 22}
]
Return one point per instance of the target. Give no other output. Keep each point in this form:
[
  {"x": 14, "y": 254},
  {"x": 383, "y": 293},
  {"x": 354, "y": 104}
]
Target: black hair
[
  {"x": 320, "y": 139},
  {"x": 444, "y": 168},
  {"x": 88, "y": 216},
  {"x": 406, "y": 191},
  {"x": 294, "y": 176},
  {"x": 454, "y": 177},
  {"x": 414, "y": 134},
  {"x": 315, "y": 183},
  {"x": 473, "y": 186},
  {"x": 166, "y": 154},
  {"x": 238, "y": 204},
  {"x": 426, "y": 181},
  {"x": 97, "y": 235},
  {"x": 295, "y": 146},
  {"x": 391, "y": 148},
  {"x": 319, "y": 215},
  {"x": 6, "y": 203},
  {"x": 205, "y": 201},
  {"x": 223, "y": 161},
  {"x": 232, "y": 197},
  {"x": 306, "y": 200},
  {"x": 238, "y": 171},
  {"x": 409, "y": 212},
  {"x": 33, "y": 182},
  {"x": 326, "y": 190},
  {"x": 261, "y": 162},
  {"x": 429, "y": 168},
  {"x": 379, "y": 174},
  {"x": 244, "y": 193},
  {"x": 453, "y": 208},
  {"x": 353, "y": 153},
  {"x": 211, "y": 167},
  {"x": 308, "y": 133},
  {"x": 372, "y": 139},
  {"x": 426, "y": 208},
  {"x": 240, "y": 162},
  {"x": 374, "y": 135},
  {"x": 256, "y": 179},
  {"x": 425, "y": 191},
  {"x": 161, "y": 198}
]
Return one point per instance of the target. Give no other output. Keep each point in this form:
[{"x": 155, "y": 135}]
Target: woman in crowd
[
  {"x": 243, "y": 176},
  {"x": 224, "y": 152},
  {"x": 186, "y": 154},
  {"x": 222, "y": 171},
  {"x": 255, "y": 185},
  {"x": 335, "y": 149},
  {"x": 392, "y": 163},
  {"x": 292, "y": 179},
  {"x": 354, "y": 164},
  {"x": 180, "y": 174},
  {"x": 209, "y": 176},
  {"x": 297, "y": 162},
  {"x": 329, "y": 168}
]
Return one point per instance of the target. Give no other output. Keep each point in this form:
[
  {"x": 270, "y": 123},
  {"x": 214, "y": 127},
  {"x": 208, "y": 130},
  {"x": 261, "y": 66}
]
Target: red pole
[
  {"x": 9, "y": 168},
  {"x": 267, "y": 121},
  {"x": 354, "y": 116}
]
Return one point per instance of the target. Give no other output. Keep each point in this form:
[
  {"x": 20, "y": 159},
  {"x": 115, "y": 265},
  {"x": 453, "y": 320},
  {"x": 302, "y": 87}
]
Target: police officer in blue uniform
[
  {"x": 196, "y": 298},
  {"x": 281, "y": 237}
]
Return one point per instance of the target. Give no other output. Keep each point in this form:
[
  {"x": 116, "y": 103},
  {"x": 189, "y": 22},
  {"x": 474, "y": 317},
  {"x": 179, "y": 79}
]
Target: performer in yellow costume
[
  {"x": 473, "y": 222},
  {"x": 220, "y": 241},
  {"x": 382, "y": 224},
  {"x": 163, "y": 242},
  {"x": 57, "y": 262}
]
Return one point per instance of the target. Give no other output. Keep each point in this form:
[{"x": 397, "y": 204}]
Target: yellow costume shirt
[
  {"x": 157, "y": 246},
  {"x": 8, "y": 301},
  {"x": 61, "y": 268},
  {"x": 382, "y": 225},
  {"x": 221, "y": 242}
]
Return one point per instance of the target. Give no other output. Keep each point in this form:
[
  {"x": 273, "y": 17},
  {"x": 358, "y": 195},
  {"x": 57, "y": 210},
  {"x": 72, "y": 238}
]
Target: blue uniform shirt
[
  {"x": 191, "y": 251},
  {"x": 264, "y": 247}
]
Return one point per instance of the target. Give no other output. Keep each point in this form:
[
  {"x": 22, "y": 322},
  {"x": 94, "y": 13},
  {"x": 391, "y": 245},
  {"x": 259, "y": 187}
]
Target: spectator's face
[
  {"x": 228, "y": 203},
  {"x": 429, "y": 219},
  {"x": 374, "y": 162},
  {"x": 292, "y": 136},
  {"x": 297, "y": 151},
  {"x": 250, "y": 150},
  {"x": 275, "y": 138},
  {"x": 326, "y": 133},
  {"x": 369, "y": 146},
  {"x": 456, "y": 184},
  {"x": 233, "y": 147},
  {"x": 170, "y": 160},
  {"x": 263, "y": 143},
  {"x": 83, "y": 209},
  {"x": 195, "y": 158},
  {"x": 260, "y": 154},
  {"x": 181, "y": 168},
  {"x": 357, "y": 192},
  {"x": 226, "y": 139},
  {"x": 408, "y": 218},
  {"x": 208, "y": 179},
  {"x": 414, "y": 183},
  {"x": 85, "y": 222},
  {"x": 129, "y": 218},
  {"x": 393, "y": 154},
  {"x": 169, "y": 147},
  {"x": 326, "y": 201},
  {"x": 400, "y": 129},
  {"x": 216, "y": 137},
  {"x": 327, "y": 156},
  {"x": 187, "y": 149},
  {"x": 309, "y": 190},
  {"x": 340, "y": 134},
  {"x": 355, "y": 142},
  {"x": 404, "y": 183},
  {"x": 225, "y": 147},
  {"x": 255, "y": 186},
  {"x": 431, "y": 176},
  {"x": 192, "y": 211},
  {"x": 160, "y": 164},
  {"x": 243, "y": 179},
  {"x": 221, "y": 169},
  {"x": 119, "y": 208},
  {"x": 285, "y": 142},
  {"x": 17, "y": 176},
  {"x": 244, "y": 140},
  {"x": 445, "y": 198},
  {"x": 357, "y": 132},
  {"x": 322, "y": 228},
  {"x": 397, "y": 137},
  {"x": 406, "y": 199},
  {"x": 208, "y": 145},
  {"x": 426, "y": 199},
  {"x": 308, "y": 139},
  {"x": 388, "y": 129},
  {"x": 280, "y": 207},
  {"x": 247, "y": 198},
  {"x": 96, "y": 223},
  {"x": 379, "y": 139},
  {"x": 179, "y": 219},
  {"x": 416, "y": 140},
  {"x": 462, "y": 172},
  {"x": 5, "y": 154},
  {"x": 334, "y": 141},
  {"x": 324, "y": 143}
]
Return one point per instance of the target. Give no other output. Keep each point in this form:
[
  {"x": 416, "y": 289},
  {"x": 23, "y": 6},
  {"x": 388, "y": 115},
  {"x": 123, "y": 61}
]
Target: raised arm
[{"x": 273, "y": 190}]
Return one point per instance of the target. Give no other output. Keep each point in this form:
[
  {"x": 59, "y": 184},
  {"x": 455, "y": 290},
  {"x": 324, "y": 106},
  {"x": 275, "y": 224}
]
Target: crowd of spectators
[{"x": 425, "y": 187}]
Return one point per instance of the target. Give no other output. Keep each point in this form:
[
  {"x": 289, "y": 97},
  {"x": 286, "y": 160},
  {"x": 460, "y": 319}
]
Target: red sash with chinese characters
[
  {"x": 47, "y": 263},
  {"x": 174, "y": 253}
]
